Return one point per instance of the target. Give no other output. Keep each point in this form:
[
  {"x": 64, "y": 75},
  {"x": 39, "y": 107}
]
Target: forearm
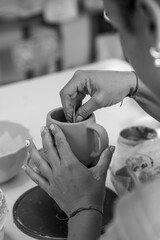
[
  {"x": 86, "y": 225},
  {"x": 126, "y": 85},
  {"x": 143, "y": 96},
  {"x": 147, "y": 100}
]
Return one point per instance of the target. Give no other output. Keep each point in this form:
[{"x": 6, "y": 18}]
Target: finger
[
  {"x": 69, "y": 102},
  {"x": 38, "y": 179},
  {"x": 68, "y": 95},
  {"x": 42, "y": 153},
  {"x": 73, "y": 94},
  {"x": 87, "y": 109},
  {"x": 49, "y": 150},
  {"x": 103, "y": 164},
  {"x": 62, "y": 145},
  {"x": 41, "y": 165}
]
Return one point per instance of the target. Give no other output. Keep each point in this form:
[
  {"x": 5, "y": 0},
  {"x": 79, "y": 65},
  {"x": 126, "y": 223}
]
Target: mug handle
[{"x": 103, "y": 137}]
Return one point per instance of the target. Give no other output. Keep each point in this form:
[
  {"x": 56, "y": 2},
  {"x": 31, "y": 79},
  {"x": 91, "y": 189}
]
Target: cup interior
[
  {"x": 58, "y": 115},
  {"x": 137, "y": 133}
]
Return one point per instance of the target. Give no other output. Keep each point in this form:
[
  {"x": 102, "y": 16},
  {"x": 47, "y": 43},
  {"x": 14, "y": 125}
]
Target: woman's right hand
[{"x": 105, "y": 88}]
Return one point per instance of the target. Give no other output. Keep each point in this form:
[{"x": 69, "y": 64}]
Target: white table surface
[{"x": 28, "y": 102}]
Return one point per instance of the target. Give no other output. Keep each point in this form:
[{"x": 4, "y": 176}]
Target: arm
[
  {"x": 105, "y": 88},
  {"x": 85, "y": 225},
  {"x": 148, "y": 101}
]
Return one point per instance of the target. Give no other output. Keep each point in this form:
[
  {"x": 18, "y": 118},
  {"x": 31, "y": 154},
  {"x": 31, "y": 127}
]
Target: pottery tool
[{"x": 74, "y": 114}]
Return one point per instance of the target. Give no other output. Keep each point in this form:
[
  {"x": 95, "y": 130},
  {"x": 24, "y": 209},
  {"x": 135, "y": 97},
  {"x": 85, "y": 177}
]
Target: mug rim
[{"x": 67, "y": 123}]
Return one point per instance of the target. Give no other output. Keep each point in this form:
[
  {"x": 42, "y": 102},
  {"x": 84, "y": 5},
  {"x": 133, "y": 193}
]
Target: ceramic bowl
[{"x": 13, "y": 152}]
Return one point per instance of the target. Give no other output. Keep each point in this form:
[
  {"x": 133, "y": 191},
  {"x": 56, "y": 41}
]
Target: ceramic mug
[
  {"x": 87, "y": 139},
  {"x": 134, "y": 135}
]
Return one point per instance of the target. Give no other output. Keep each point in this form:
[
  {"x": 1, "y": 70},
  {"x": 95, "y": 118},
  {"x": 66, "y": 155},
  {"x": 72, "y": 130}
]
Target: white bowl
[{"x": 13, "y": 152}]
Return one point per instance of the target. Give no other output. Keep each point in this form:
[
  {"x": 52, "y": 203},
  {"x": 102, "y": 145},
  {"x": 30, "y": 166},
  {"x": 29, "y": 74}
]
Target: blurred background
[{"x": 39, "y": 37}]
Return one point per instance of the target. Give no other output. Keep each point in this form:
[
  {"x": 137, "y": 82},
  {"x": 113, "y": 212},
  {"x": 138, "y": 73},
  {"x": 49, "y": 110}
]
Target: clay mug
[{"x": 87, "y": 139}]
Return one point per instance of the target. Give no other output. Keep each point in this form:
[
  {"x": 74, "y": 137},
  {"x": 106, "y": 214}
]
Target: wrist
[
  {"x": 85, "y": 215},
  {"x": 86, "y": 202},
  {"x": 126, "y": 83},
  {"x": 85, "y": 209},
  {"x": 85, "y": 225}
]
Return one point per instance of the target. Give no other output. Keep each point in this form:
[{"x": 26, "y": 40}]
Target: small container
[{"x": 132, "y": 136}]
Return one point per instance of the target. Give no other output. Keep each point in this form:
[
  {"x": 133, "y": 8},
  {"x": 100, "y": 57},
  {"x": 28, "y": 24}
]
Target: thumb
[
  {"x": 103, "y": 164},
  {"x": 86, "y": 109}
]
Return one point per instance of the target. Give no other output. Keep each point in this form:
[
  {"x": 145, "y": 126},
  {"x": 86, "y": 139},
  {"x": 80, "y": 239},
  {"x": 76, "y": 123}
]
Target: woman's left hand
[{"x": 64, "y": 177}]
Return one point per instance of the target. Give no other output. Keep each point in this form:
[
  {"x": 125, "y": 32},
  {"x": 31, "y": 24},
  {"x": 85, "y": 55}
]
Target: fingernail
[
  {"x": 51, "y": 127},
  {"x": 79, "y": 119},
  {"x": 112, "y": 149},
  {"x": 24, "y": 167},
  {"x": 27, "y": 142}
]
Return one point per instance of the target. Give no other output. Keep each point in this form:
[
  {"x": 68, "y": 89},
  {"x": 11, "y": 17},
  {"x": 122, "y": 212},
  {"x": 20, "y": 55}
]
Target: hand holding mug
[
  {"x": 87, "y": 139},
  {"x": 64, "y": 177}
]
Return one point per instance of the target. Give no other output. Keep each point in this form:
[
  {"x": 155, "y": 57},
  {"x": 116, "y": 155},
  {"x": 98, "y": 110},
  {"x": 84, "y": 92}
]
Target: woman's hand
[
  {"x": 63, "y": 177},
  {"x": 105, "y": 88}
]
